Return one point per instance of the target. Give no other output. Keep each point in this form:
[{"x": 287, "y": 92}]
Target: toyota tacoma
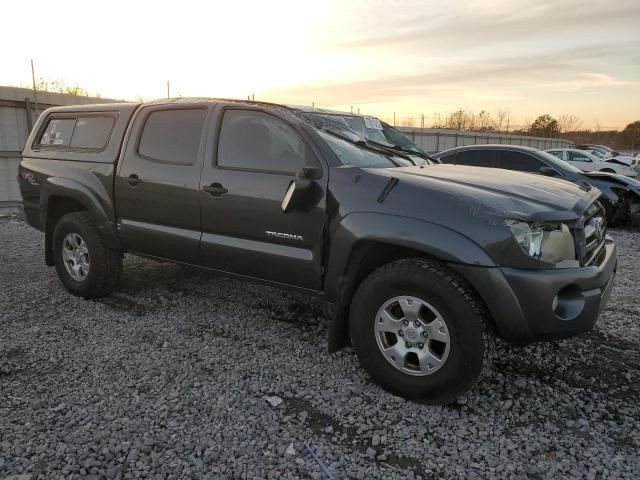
[{"x": 425, "y": 264}]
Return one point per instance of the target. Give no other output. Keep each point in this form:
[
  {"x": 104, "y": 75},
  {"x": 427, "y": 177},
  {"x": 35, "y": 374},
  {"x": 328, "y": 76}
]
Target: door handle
[
  {"x": 215, "y": 189},
  {"x": 133, "y": 180}
]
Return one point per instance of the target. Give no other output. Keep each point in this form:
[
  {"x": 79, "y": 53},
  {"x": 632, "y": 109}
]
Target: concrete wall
[
  {"x": 16, "y": 121},
  {"x": 435, "y": 140}
]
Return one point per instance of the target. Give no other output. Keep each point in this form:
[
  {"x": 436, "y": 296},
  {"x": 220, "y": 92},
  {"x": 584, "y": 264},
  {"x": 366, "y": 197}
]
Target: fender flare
[
  {"x": 69, "y": 188},
  {"x": 431, "y": 239}
]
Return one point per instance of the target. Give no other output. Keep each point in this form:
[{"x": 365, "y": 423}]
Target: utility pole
[
  {"x": 313, "y": 104},
  {"x": 394, "y": 119},
  {"x": 422, "y": 121},
  {"x": 358, "y": 110},
  {"x": 35, "y": 91},
  {"x": 253, "y": 97},
  {"x": 351, "y": 108},
  {"x": 168, "y": 90}
]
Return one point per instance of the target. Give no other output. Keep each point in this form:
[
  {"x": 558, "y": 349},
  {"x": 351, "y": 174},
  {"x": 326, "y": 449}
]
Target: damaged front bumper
[{"x": 533, "y": 305}]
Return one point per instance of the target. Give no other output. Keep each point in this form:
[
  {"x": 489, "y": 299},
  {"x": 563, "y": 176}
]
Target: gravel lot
[{"x": 167, "y": 378}]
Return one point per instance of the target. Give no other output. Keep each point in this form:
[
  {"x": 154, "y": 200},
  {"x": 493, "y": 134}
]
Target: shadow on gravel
[
  {"x": 601, "y": 364},
  {"x": 325, "y": 426}
]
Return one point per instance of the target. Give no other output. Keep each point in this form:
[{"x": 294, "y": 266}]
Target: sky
[{"x": 378, "y": 56}]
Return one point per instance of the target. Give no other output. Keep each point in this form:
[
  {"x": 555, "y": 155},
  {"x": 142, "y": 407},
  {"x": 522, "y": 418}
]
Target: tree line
[{"x": 566, "y": 126}]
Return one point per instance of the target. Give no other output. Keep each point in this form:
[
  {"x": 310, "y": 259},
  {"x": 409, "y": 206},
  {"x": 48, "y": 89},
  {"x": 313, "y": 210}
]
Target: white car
[
  {"x": 587, "y": 162},
  {"x": 606, "y": 153}
]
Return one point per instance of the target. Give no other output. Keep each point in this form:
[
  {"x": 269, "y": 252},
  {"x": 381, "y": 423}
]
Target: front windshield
[
  {"x": 559, "y": 164},
  {"x": 371, "y": 132},
  {"x": 350, "y": 154},
  {"x": 368, "y": 128},
  {"x": 605, "y": 148}
]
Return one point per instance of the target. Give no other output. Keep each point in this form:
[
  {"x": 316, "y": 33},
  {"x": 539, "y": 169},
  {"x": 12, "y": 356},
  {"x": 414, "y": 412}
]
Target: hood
[
  {"x": 623, "y": 159},
  {"x": 512, "y": 194},
  {"x": 630, "y": 182}
]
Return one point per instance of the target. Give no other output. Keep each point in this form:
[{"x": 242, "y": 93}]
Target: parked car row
[
  {"x": 620, "y": 195},
  {"x": 609, "y": 155},
  {"x": 588, "y": 162}
]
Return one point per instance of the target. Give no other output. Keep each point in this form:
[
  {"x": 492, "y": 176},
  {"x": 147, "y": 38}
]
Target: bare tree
[
  {"x": 569, "y": 123},
  {"x": 410, "y": 122},
  {"x": 502, "y": 120},
  {"x": 484, "y": 122},
  {"x": 437, "y": 121},
  {"x": 458, "y": 120}
]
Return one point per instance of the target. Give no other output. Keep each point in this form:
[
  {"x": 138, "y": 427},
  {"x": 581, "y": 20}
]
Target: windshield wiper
[
  {"x": 390, "y": 149},
  {"x": 403, "y": 149},
  {"x": 366, "y": 146}
]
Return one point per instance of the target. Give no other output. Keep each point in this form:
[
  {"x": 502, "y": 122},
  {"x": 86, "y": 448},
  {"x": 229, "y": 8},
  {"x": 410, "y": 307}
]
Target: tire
[
  {"x": 103, "y": 265},
  {"x": 437, "y": 293}
]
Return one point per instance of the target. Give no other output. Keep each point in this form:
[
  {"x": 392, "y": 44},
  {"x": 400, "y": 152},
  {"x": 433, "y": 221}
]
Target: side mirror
[
  {"x": 298, "y": 187},
  {"x": 548, "y": 171}
]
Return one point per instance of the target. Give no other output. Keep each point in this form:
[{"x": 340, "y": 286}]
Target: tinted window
[
  {"x": 58, "y": 132},
  {"x": 519, "y": 161},
  {"x": 475, "y": 158},
  {"x": 451, "y": 158},
  {"x": 258, "y": 141},
  {"x": 92, "y": 132},
  {"x": 556, "y": 153},
  {"x": 82, "y": 132},
  {"x": 577, "y": 157},
  {"x": 172, "y": 136}
]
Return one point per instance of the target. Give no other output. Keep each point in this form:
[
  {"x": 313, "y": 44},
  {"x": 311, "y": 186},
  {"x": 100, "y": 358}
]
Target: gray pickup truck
[{"x": 424, "y": 263}]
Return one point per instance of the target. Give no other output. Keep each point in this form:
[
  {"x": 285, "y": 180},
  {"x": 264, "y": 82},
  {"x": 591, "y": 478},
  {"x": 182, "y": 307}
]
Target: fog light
[{"x": 568, "y": 303}]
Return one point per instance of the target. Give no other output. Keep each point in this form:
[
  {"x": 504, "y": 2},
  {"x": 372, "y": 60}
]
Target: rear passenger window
[
  {"x": 172, "y": 136},
  {"x": 518, "y": 161},
  {"x": 475, "y": 158},
  {"x": 91, "y": 133},
  {"x": 58, "y": 132},
  {"x": 251, "y": 140}
]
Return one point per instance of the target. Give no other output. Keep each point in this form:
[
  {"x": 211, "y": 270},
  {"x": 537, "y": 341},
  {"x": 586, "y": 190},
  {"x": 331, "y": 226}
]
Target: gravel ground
[{"x": 167, "y": 378}]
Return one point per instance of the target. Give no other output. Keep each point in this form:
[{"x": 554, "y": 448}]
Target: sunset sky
[{"x": 410, "y": 57}]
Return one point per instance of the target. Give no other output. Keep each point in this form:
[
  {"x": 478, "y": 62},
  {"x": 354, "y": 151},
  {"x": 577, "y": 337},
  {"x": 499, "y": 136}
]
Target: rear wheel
[
  {"x": 420, "y": 332},
  {"x": 85, "y": 265}
]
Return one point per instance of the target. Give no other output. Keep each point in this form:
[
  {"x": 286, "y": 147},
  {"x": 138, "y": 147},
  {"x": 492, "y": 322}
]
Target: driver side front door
[{"x": 256, "y": 155}]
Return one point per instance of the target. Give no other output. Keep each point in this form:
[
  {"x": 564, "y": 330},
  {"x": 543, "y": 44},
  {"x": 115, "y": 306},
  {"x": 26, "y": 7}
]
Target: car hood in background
[{"x": 632, "y": 183}]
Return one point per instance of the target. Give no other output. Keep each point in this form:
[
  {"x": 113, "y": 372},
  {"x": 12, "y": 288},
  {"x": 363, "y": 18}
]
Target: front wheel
[
  {"x": 420, "y": 332},
  {"x": 85, "y": 265}
]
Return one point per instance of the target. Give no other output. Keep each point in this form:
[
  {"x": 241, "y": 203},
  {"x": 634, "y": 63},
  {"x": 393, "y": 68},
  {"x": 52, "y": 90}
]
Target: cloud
[
  {"x": 562, "y": 70},
  {"x": 467, "y": 25}
]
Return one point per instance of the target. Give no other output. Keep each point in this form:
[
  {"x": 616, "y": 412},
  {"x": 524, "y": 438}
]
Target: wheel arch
[
  {"x": 61, "y": 196},
  {"x": 354, "y": 255}
]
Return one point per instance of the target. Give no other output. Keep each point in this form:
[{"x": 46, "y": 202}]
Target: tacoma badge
[{"x": 286, "y": 236}]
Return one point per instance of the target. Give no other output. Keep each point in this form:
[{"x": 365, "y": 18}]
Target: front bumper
[{"x": 532, "y": 305}]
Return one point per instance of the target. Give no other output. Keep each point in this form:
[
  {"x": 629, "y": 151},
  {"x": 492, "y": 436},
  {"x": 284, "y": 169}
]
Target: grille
[{"x": 589, "y": 235}]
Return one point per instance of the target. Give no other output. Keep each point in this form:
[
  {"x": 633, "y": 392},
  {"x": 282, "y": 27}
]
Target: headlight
[{"x": 549, "y": 243}]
